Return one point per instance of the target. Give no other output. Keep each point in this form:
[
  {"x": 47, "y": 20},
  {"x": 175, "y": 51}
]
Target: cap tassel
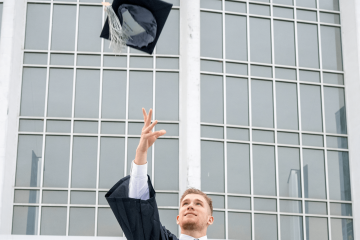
[{"x": 118, "y": 35}]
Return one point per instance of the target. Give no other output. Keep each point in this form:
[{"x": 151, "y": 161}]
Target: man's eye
[
  {"x": 184, "y": 203},
  {"x": 199, "y": 204}
]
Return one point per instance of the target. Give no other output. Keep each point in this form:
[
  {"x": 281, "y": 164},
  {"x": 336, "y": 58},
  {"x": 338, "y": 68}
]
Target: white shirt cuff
[{"x": 138, "y": 171}]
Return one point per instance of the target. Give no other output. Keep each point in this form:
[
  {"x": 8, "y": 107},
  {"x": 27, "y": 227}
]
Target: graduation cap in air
[{"x": 135, "y": 23}]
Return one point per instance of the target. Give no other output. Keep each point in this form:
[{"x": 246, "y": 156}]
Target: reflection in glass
[
  {"x": 342, "y": 229},
  {"x": 339, "y": 175},
  {"x": 211, "y": 93},
  {"x": 63, "y": 27},
  {"x": 259, "y": 9},
  {"x": 107, "y": 224},
  {"x": 236, "y": 68},
  {"x": 308, "y": 45},
  {"x": 26, "y": 196},
  {"x": 264, "y": 170},
  {"x": 262, "y": 103},
  {"x": 314, "y": 173},
  {"x": 239, "y": 225},
  {"x": 82, "y": 221},
  {"x": 235, "y": 37},
  {"x": 238, "y": 7},
  {"x": 29, "y": 158},
  {"x": 211, "y": 35},
  {"x": 102, "y": 199},
  {"x": 112, "y": 127},
  {"x": 167, "y": 96},
  {"x": 329, "y": 4},
  {"x": 260, "y": 40},
  {"x": 167, "y": 63},
  {"x": 330, "y": 18},
  {"x": 37, "y": 26},
  {"x": 83, "y": 172},
  {"x": 311, "y": 119},
  {"x": 211, "y": 4},
  {"x": 57, "y": 158},
  {"x": 88, "y": 60},
  {"x": 306, "y": 15},
  {"x": 306, "y": 3},
  {"x": 217, "y": 201},
  {"x": 285, "y": 73},
  {"x": 25, "y": 220},
  {"x": 284, "y": 43},
  {"x": 336, "y": 142},
  {"x": 335, "y": 110},
  {"x": 112, "y": 157},
  {"x": 289, "y": 172},
  {"x": 53, "y": 221},
  {"x": 265, "y": 227},
  {"x": 114, "y": 94},
  {"x": 212, "y": 166},
  {"x": 237, "y": 101},
  {"x": 286, "y": 106},
  {"x": 316, "y": 228},
  {"x": 333, "y": 78},
  {"x": 135, "y": 128},
  {"x": 238, "y": 168},
  {"x": 291, "y": 227},
  {"x": 285, "y": 2}
]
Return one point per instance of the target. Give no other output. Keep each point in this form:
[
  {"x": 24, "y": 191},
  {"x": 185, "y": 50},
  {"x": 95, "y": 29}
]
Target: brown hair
[{"x": 197, "y": 191}]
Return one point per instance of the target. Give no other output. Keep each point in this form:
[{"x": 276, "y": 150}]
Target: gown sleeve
[{"x": 139, "y": 219}]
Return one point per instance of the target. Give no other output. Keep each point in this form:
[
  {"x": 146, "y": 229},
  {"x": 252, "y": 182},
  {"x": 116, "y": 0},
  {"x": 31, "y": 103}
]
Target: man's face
[{"x": 194, "y": 213}]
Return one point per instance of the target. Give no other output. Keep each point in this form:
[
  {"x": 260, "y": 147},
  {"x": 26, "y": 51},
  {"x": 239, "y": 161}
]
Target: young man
[{"x": 133, "y": 202}]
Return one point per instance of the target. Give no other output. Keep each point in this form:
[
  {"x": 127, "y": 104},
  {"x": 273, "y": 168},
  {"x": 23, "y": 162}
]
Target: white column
[
  {"x": 11, "y": 44},
  {"x": 350, "y": 29},
  {"x": 189, "y": 156}
]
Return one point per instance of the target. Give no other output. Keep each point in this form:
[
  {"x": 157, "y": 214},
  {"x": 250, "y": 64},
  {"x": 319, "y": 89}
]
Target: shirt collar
[{"x": 187, "y": 237}]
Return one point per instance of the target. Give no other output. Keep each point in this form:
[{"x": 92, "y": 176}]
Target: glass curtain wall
[
  {"x": 1, "y": 12},
  {"x": 80, "y": 120},
  {"x": 274, "y": 155}
]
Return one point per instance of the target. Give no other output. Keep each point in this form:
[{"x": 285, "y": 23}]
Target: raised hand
[{"x": 147, "y": 138}]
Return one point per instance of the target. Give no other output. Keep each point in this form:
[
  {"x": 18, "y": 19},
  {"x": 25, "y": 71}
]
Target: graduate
[{"x": 133, "y": 203}]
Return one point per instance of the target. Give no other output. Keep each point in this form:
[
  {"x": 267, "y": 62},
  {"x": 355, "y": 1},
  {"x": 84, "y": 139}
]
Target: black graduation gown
[{"x": 139, "y": 219}]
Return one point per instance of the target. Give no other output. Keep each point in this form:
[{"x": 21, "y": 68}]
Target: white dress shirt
[{"x": 138, "y": 188}]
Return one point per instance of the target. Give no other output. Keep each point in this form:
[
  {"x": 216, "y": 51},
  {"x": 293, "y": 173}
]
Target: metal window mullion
[
  {"x": 72, "y": 120},
  {"x": 127, "y": 108},
  {"x": 153, "y": 118}
]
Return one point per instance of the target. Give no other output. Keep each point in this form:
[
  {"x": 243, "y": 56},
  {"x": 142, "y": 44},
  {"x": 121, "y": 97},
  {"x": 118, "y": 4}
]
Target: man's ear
[
  {"x": 177, "y": 220},
  {"x": 210, "y": 220}
]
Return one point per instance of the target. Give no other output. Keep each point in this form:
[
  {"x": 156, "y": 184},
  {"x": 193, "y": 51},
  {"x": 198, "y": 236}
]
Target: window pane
[
  {"x": 53, "y": 221},
  {"x": 284, "y": 43},
  {"x": 291, "y": 227},
  {"x": 285, "y": 73},
  {"x": 212, "y": 132},
  {"x": 141, "y": 62},
  {"x": 112, "y": 159},
  {"x": 82, "y": 221},
  {"x": 236, "y": 68},
  {"x": 167, "y": 199},
  {"x": 88, "y": 60},
  {"x": 33, "y": 58},
  {"x": 60, "y": 92},
  {"x": 55, "y": 197},
  {"x": 167, "y": 96},
  {"x": 26, "y": 125},
  {"x": 283, "y": 12},
  {"x": 259, "y": 9},
  {"x": 217, "y": 229},
  {"x": 289, "y": 172},
  {"x": 314, "y": 175},
  {"x": 290, "y": 206},
  {"x": 286, "y": 106},
  {"x": 285, "y": 2},
  {"x": 241, "y": 203},
  {"x": 311, "y": 119},
  {"x": 341, "y": 209},
  {"x": 25, "y": 220},
  {"x": 261, "y": 71},
  {"x": 171, "y": 129},
  {"x": 211, "y": 92},
  {"x": 239, "y": 225},
  {"x": 237, "y": 134},
  {"x": 309, "y": 76},
  {"x": 168, "y": 219},
  {"x": 135, "y": 128},
  {"x": 238, "y": 168},
  {"x": 308, "y": 45},
  {"x": 211, "y": 4},
  {"x": 57, "y": 157},
  {"x": 306, "y": 15},
  {"x": 115, "y": 61},
  {"x": 212, "y": 166},
  {"x": 26, "y": 196},
  {"x": 168, "y": 42},
  {"x": 63, "y": 27},
  {"x": 140, "y": 94},
  {"x": 82, "y": 197},
  {"x": 217, "y": 201},
  {"x": 262, "y": 103},
  {"x": 102, "y": 200},
  {"x": 239, "y": 7},
  {"x": 316, "y": 208},
  {"x": 87, "y": 94},
  {"x": 288, "y": 138},
  {"x": 83, "y": 172},
  {"x": 211, "y": 66},
  {"x": 33, "y": 92},
  {"x": 237, "y": 101},
  {"x": 211, "y": 35},
  {"x": 114, "y": 94},
  {"x": 235, "y": 37},
  {"x": 89, "y": 26},
  {"x": 336, "y": 142},
  {"x": 107, "y": 223},
  {"x": 339, "y": 175},
  {"x": 312, "y": 140},
  {"x": 264, "y": 170},
  {"x": 265, "y": 227},
  {"x": 329, "y": 4},
  {"x": 333, "y": 78},
  {"x": 167, "y": 63},
  {"x": 263, "y": 136},
  {"x": 335, "y": 110},
  {"x": 260, "y": 40},
  {"x": 37, "y": 26},
  {"x": 62, "y": 59},
  {"x": 316, "y": 228},
  {"x": 167, "y": 163},
  {"x": 263, "y": 204},
  {"x": 131, "y": 152},
  {"x": 29, "y": 158},
  {"x": 342, "y": 229},
  {"x": 85, "y": 127},
  {"x": 58, "y": 126},
  {"x": 331, "y": 48},
  {"x": 330, "y": 18},
  {"x": 306, "y": 3}
]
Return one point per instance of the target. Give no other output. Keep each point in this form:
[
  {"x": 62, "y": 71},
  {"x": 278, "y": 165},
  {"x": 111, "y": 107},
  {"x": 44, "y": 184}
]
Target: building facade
[{"x": 259, "y": 100}]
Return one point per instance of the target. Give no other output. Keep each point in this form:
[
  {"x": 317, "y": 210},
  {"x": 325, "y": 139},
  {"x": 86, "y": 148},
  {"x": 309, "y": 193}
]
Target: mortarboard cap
[{"x": 141, "y": 23}]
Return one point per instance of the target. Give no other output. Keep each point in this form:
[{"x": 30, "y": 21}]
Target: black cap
[{"x": 150, "y": 15}]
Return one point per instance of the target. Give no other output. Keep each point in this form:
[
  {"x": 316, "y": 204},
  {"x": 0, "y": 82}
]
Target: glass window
[
  {"x": 314, "y": 173},
  {"x": 285, "y": 73},
  {"x": 88, "y": 30},
  {"x": 261, "y": 71},
  {"x": 285, "y": 2},
  {"x": 167, "y": 96},
  {"x": 211, "y": 94},
  {"x": 306, "y": 3},
  {"x": 316, "y": 208},
  {"x": 85, "y": 127},
  {"x": 238, "y": 168},
  {"x": 212, "y": 166},
  {"x": 341, "y": 209},
  {"x": 211, "y": 66},
  {"x": 58, "y": 126},
  {"x": 107, "y": 224},
  {"x": 265, "y": 227},
  {"x": 217, "y": 229},
  {"x": 312, "y": 140},
  {"x": 236, "y": 68},
  {"x": 82, "y": 221},
  {"x": 53, "y": 221},
  {"x": 288, "y": 138},
  {"x": 131, "y": 152},
  {"x": 167, "y": 199},
  {"x": 284, "y": 43},
  {"x": 264, "y": 170},
  {"x": 115, "y": 61},
  {"x": 329, "y": 4},
  {"x": 262, "y": 103},
  {"x": 242, "y": 203},
  {"x": 291, "y": 227},
  {"x": 167, "y": 63},
  {"x": 336, "y": 142},
  {"x": 37, "y": 26},
  {"x": 237, "y": 101},
  {"x": 62, "y": 59},
  {"x": 55, "y": 197},
  {"x": 263, "y": 204},
  {"x": 333, "y": 78},
  {"x": 168, "y": 218},
  {"x": 235, "y": 37},
  {"x": 28, "y": 125},
  {"x": 239, "y": 224},
  {"x": 306, "y": 15},
  {"x": 289, "y": 172},
  {"x": 171, "y": 129},
  {"x": 309, "y": 76},
  {"x": 88, "y": 60},
  {"x": 286, "y": 106},
  {"x": 237, "y": 134},
  {"x": 316, "y": 228},
  {"x": 283, "y": 12},
  {"x": 168, "y": 42},
  {"x": 239, "y": 7},
  {"x": 263, "y": 136},
  {"x": 212, "y": 132},
  {"x": 331, "y": 48},
  {"x": 311, "y": 117},
  {"x": 25, "y": 220},
  {"x": 141, "y": 62},
  {"x": 33, "y": 58},
  {"x": 330, "y": 18},
  {"x": 82, "y": 197},
  {"x": 217, "y": 201},
  {"x": 260, "y": 40},
  {"x": 26, "y": 196},
  {"x": 290, "y": 206},
  {"x": 308, "y": 45},
  {"x": 211, "y": 35},
  {"x": 259, "y": 9},
  {"x": 63, "y": 27},
  {"x": 342, "y": 229},
  {"x": 113, "y": 127},
  {"x": 211, "y": 4},
  {"x": 335, "y": 110}
]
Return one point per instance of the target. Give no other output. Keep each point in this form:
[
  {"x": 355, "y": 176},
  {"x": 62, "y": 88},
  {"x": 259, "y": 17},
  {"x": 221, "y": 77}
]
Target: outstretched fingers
[
  {"x": 149, "y": 128},
  {"x": 156, "y": 134}
]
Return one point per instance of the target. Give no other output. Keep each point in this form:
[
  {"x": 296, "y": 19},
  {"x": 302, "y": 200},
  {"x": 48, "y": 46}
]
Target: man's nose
[{"x": 190, "y": 206}]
